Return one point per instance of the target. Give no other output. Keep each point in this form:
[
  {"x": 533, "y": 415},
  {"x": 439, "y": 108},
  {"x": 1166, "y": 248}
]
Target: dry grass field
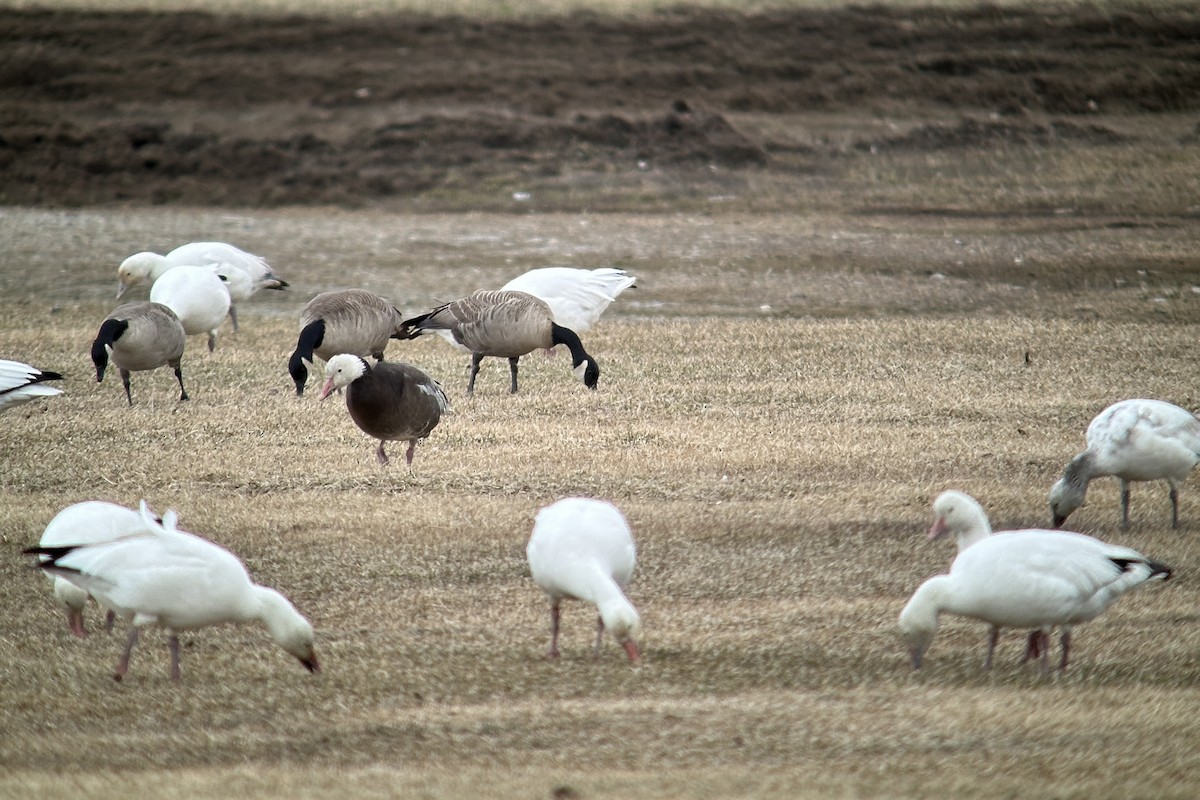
[{"x": 818, "y": 345}]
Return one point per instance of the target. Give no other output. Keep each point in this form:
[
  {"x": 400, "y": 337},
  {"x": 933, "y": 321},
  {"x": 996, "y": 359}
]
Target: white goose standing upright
[
  {"x": 583, "y": 549},
  {"x": 1027, "y": 579},
  {"x": 1134, "y": 440},
  {"x": 162, "y": 575},
  {"x": 89, "y": 522},
  {"x": 20, "y": 383}
]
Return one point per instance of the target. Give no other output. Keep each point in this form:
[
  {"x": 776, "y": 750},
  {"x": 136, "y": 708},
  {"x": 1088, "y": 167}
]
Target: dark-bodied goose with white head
[
  {"x": 137, "y": 337},
  {"x": 390, "y": 401},
  {"x": 351, "y": 321},
  {"x": 505, "y": 324}
]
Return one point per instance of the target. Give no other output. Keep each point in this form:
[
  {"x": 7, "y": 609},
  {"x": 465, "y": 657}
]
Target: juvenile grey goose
[
  {"x": 348, "y": 321},
  {"x": 390, "y": 401},
  {"x": 139, "y": 336},
  {"x": 505, "y": 324},
  {"x": 20, "y": 383}
]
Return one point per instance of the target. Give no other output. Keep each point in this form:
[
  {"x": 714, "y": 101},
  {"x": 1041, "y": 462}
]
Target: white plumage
[
  {"x": 158, "y": 574},
  {"x": 1027, "y": 579},
  {"x": 245, "y": 273},
  {"x": 583, "y": 549},
  {"x": 90, "y": 522},
  {"x": 577, "y": 297},
  {"x": 197, "y": 296},
  {"x": 1133, "y": 440},
  {"x": 20, "y": 383}
]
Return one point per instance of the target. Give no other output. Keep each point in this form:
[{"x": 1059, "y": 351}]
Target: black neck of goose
[
  {"x": 310, "y": 339},
  {"x": 561, "y": 335},
  {"x": 110, "y": 332}
]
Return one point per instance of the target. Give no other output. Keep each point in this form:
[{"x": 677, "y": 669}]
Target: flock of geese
[{"x": 134, "y": 563}]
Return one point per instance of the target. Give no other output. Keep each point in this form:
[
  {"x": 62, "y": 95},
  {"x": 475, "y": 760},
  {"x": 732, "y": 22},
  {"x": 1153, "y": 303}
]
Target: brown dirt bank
[{"x": 200, "y": 109}]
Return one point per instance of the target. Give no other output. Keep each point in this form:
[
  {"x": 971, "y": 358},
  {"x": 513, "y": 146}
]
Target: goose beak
[
  {"x": 1058, "y": 521},
  {"x": 939, "y": 529},
  {"x": 915, "y": 653},
  {"x": 122, "y": 287},
  {"x": 311, "y": 663},
  {"x": 631, "y": 650},
  {"x": 327, "y": 389}
]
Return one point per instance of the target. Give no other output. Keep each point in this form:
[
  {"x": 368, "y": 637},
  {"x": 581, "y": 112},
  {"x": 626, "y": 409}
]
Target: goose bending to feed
[
  {"x": 1133, "y": 440},
  {"x": 1027, "y": 579},
  {"x": 90, "y": 522},
  {"x": 389, "y": 401},
  {"x": 505, "y": 324},
  {"x": 959, "y": 515},
  {"x": 350, "y": 321},
  {"x": 583, "y": 549},
  {"x": 198, "y": 297},
  {"x": 254, "y": 272},
  {"x": 137, "y": 337},
  {"x": 20, "y": 383},
  {"x": 577, "y": 297},
  {"x": 161, "y": 575}
]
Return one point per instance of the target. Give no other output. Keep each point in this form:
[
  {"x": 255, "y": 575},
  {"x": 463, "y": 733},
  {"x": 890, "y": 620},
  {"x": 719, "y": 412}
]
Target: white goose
[
  {"x": 583, "y": 549},
  {"x": 959, "y": 515},
  {"x": 20, "y": 383},
  {"x": 90, "y": 522},
  {"x": 198, "y": 297},
  {"x": 162, "y": 575},
  {"x": 252, "y": 272},
  {"x": 1027, "y": 579},
  {"x": 577, "y": 297},
  {"x": 1134, "y": 440}
]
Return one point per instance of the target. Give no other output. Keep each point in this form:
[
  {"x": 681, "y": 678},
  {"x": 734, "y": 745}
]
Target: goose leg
[
  {"x": 1124, "y": 504},
  {"x": 1032, "y": 646},
  {"x": 993, "y": 637},
  {"x": 599, "y": 637},
  {"x": 1174, "y": 505},
  {"x": 1044, "y": 643},
  {"x": 512, "y": 367},
  {"x": 173, "y": 646},
  {"x": 125, "y": 382},
  {"x": 408, "y": 454},
  {"x": 212, "y": 340},
  {"x": 179, "y": 377},
  {"x": 1066, "y": 649},
  {"x": 109, "y": 619},
  {"x": 123, "y": 663},
  {"x": 554, "y": 619},
  {"x": 475, "y": 359},
  {"x": 75, "y": 621},
  {"x": 233, "y": 317},
  {"x": 382, "y": 456}
]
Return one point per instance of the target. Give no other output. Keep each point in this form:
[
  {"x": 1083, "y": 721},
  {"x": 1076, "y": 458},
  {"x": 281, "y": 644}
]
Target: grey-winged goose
[
  {"x": 136, "y": 337},
  {"x": 351, "y": 321},
  {"x": 505, "y": 324},
  {"x": 390, "y": 401}
]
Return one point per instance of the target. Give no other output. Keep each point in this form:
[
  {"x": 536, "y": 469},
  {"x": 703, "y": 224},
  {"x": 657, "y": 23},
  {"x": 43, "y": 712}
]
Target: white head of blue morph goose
[
  {"x": 390, "y": 401},
  {"x": 139, "y": 336},
  {"x": 351, "y": 321},
  {"x": 505, "y": 324},
  {"x": 20, "y": 383}
]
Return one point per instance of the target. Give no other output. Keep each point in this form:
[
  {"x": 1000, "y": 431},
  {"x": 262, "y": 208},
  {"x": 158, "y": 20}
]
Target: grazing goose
[
  {"x": 139, "y": 336},
  {"x": 577, "y": 297},
  {"x": 583, "y": 550},
  {"x": 390, "y": 401},
  {"x": 159, "y": 574},
  {"x": 252, "y": 272},
  {"x": 349, "y": 321},
  {"x": 198, "y": 297},
  {"x": 20, "y": 383},
  {"x": 1134, "y": 440},
  {"x": 959, "y": 515},
  {"x": 1027, "y": 579},
  {"x": 89, "y": 522},
  {"x": 504, "y": 324}
]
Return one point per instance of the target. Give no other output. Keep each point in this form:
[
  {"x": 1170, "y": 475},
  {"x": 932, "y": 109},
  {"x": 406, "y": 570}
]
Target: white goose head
[
  {"x": 136, "y": 269},
  {"x": 959, "y": 514},
  {"x": 341, "y": 371}
]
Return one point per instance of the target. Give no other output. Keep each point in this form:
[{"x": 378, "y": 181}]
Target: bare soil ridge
[{"x": 258, "y": 112}]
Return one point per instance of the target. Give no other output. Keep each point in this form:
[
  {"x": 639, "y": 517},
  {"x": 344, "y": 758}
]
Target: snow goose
[
  {"x": 198, "y": 297},
  {"x": 505, "y": 324},
  {"x": 577, "y": 297},
  {"x": 162, "y": 575},
  {"x": 390, "y": 401},
  {"x": 1133, "y": 440},
  {"x": 582, "y": 549},
  {"x": 1027, "y": 579},
  {"x": 350, "y": 321},
  {"x": 139, "y": 336},
  {"x": 90, "y": 522},
  {"x": 20, "y": 383},
  {"x": 149, "y": 267}
]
